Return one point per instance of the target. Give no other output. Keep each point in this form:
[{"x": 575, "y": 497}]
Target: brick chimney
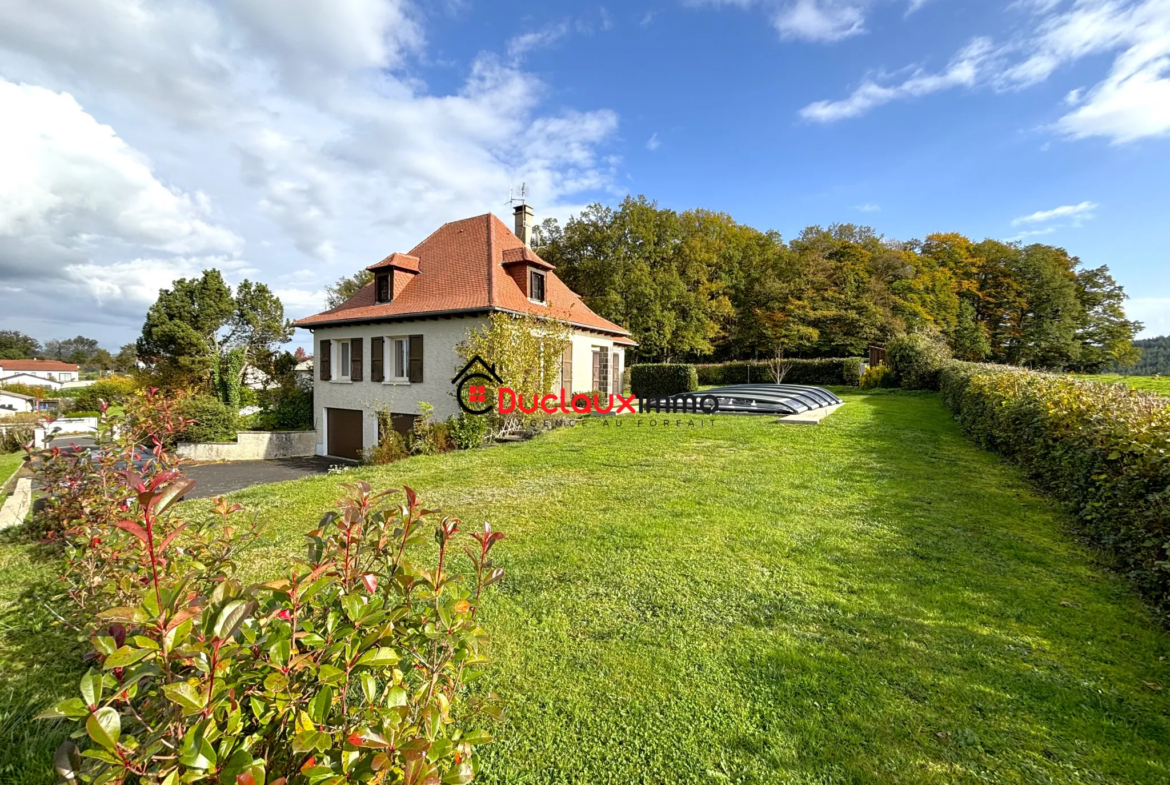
[{"x": 524, "y": 223}]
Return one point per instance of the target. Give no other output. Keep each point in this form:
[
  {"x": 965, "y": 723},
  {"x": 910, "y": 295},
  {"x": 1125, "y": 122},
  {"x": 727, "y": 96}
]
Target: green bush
[
  {"x": 213, "y": 421},
  {"x": 1103, "y": 449},
  {"x": 877, "y": 376},
  {"x": 114, "y": 390},
  {"x": 84, "y": 414},
  {"x": 917, "y": 359},
  {"x": 657, "y": 380},
  {"x": 468, "y": 430},
  {"x": 851, "y": 370},
  {"x": 13, "y": 439},
  {"x": 820, "y": 371}
]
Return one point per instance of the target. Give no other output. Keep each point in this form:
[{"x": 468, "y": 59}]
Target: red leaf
[
  {"x": 355, "y": 739},
  {"x": 371, "y": 582},
  {"x": 133, "y": 528},
  {"x": 171, "y": 537},
  {"x": 245, "y": 779},
  {"x": 310, "y": 763}
]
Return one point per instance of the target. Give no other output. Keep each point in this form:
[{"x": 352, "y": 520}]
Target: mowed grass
[
  {"x": 9, "y": 463},
  {"x": 869, "y": 601},
  {"x": 1155, "y": 384}
]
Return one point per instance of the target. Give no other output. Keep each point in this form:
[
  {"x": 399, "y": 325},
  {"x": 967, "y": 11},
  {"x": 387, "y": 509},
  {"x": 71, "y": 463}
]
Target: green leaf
[
  {"x": 382, "y": 657},
  {"x": 91, "y": 688},
  {"x": 460, "y": 775},
  {"x": 478, "y": 737},
  {"x": 329, "y": 674},
  {"x": 186, "y": 695},
  {"x": 320, "y": 705},
  {"x": 104, "y": 726},
  {"x": 70, "y": 707},
  {"x": 231, "y": 617},
  {"x": 353, "y": 605},
  {"x": 125, "y": 656}
]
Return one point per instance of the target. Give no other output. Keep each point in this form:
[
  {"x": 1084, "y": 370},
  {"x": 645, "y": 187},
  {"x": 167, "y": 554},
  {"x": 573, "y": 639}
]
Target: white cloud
[
  {"x": 536, "y": 39},
  {"x": 1081, "y": 211},
  {"x": 915, "y": 5},
  {"x": 869, "y": 207},
  {"x": 820, "y": 20},
  {"x": 1132, "y": 102},
  {"x": 291, "y": 133},
  {"x": 1033, "y": 233},
  {"x": 652, "y": 143},
  {"x": 963, "y": 70},
  {"x": 73, "y": 181}
]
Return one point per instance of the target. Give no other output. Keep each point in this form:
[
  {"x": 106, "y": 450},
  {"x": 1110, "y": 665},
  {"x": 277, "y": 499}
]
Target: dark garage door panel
[{"x": 345, "y": 433}]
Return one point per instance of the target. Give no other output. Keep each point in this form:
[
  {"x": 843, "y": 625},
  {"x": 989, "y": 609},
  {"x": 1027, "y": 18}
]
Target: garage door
[{"x": 345, "y": 433}]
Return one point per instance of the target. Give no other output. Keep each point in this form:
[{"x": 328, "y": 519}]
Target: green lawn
[
  {"x": 9, "y": 463},
  {"x": 869, "y": 601},
  {"x": 1158, "y": 384}
]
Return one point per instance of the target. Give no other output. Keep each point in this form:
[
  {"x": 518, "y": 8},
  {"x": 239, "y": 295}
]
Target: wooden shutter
[
  {"x": 326, "y": 365},
  {"x": 567, "y": 369},
  {"x": 355, "y": 360},
  {"x": 596, "y": 371},
  {"x": 616, "y": 381},
  {"x": 377, "y": 359},
  {"x": 415, "y": 372}
]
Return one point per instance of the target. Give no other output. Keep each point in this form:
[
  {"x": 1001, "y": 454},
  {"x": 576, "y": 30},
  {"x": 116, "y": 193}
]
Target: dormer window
[
  {"x": 382, "y": 291},
  {"x": 536, "y": 286}
]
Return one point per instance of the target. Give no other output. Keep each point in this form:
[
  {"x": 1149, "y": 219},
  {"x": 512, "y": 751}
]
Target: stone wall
[
  {"x": 17, "y": 505},
  {"x": 253, "y": 446}
]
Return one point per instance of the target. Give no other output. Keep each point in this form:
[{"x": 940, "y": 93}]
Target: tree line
[
  {"x": 15, "y": 345},
  {"x": 697, "y": 285},
  {"x": 1155, "y": 358}
]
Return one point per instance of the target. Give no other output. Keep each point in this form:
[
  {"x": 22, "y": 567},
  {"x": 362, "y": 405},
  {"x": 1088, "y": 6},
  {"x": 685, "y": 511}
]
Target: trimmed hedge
[
  {"x": 917, "y": 360},
  {"x": 1103, "y": 449},
  {"x": 827, "y": 370},
  {"x": 656, "y": 380}
]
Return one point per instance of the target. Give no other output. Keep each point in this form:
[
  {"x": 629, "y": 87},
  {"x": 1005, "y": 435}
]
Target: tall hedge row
[
  {"x": 829, "y": 370},
  {"x": 656, "y": 380},
  {"x": 1103, "y": 449}
]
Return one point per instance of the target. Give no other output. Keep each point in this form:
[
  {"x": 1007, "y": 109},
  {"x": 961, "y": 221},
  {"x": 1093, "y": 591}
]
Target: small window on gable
[
  {"x": 382, "y": 288},
  {"x": 536, "y": 286}
]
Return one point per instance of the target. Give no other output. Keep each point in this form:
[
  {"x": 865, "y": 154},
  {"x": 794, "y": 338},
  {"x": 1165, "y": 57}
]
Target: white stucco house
[
  {"x": 393, "y": 343},
  {"x": 13, "y": 403},
  {"x": 41, "y": 373}
]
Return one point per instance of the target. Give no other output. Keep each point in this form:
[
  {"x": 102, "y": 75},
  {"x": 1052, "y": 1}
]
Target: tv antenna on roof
[{"x": 523, "y": 193}]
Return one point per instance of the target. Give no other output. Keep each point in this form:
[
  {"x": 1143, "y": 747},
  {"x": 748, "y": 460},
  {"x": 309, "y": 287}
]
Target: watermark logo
[
  {"x": 471, "y": 386},
  {"x": 477, "y": 377}
]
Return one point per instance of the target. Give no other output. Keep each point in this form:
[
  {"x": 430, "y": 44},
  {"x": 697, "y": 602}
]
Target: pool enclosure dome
[{"x": 776, "y": 399}]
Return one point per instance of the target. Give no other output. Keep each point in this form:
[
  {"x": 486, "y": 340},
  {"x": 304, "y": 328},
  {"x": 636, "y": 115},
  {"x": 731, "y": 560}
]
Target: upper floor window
[
  {"x": 382, "y": 288},
  {"x": 344, "y": 365},
  {"x": 536, "y": 286}
]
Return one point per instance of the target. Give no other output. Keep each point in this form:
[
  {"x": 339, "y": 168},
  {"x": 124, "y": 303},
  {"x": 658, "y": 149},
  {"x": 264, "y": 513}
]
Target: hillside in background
[{"x": 1155, "y": 358}]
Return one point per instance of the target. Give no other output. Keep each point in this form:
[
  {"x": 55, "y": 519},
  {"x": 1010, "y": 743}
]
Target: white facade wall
[
  {"x": 11, "y": 404},
  {"x": 27, "y": 377},
  {"x": 440, "y": 364},
  {"x": 54, "y": 376}
]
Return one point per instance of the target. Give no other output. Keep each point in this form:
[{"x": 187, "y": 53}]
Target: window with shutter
[
  {"x": 377, "y": 359},
  {"x": 615, "y": 372},
  {"x": 355, "y": 371},
  {"x": 344, "y": 368},
  {"x": 567, "y": 369},
  {"x": 416, "y": 359}
]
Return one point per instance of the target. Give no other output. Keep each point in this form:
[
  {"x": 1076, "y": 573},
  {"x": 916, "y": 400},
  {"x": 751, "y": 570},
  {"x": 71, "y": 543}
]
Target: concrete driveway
[{"x": 216, "y": 479}]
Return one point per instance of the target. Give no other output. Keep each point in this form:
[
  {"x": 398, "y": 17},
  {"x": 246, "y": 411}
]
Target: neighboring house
[
  {"x": 393, "y": 343},
  {"x": 47, "y": 373},
  {"x": 303, "y": 373},
  {"x": 12, "y": 403}
]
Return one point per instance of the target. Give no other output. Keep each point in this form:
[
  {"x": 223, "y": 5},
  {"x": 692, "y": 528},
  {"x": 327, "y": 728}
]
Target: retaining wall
[{"x": 253, "y": 446}]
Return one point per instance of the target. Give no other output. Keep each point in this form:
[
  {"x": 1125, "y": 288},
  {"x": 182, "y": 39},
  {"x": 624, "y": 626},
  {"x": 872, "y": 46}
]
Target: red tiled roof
[
  {"x": 461, "y": 269},
  {"x": 36, "y": 365},
  {"x": 400, "y": 260}
]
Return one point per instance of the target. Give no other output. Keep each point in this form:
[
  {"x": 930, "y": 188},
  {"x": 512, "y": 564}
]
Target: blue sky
[{"x": 294, "y": 141}]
